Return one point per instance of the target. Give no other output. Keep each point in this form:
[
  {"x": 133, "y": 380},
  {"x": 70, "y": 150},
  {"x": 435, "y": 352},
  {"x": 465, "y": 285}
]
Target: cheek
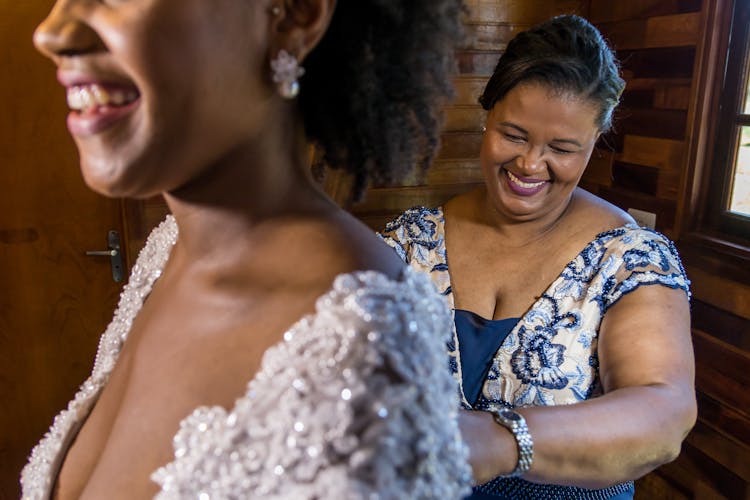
[
  {"x": 570, "y": 170},
  {"x": 495, "y": 151}
]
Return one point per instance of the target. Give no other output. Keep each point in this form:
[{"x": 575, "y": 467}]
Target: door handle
[{"x": 114, "y": 254}]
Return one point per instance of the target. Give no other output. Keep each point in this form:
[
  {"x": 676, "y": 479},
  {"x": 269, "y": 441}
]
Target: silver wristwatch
[{"x": 516, "y": 424}]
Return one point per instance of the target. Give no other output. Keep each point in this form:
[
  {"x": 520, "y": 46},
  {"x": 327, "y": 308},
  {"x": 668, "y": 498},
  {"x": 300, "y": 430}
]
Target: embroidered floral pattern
[{"x": 550, "y": 357}]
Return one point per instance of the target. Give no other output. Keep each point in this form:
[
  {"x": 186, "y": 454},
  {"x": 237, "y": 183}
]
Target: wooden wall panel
[
  {"x": 658, "y": 42},
  {"x": 602, "y": 11}
]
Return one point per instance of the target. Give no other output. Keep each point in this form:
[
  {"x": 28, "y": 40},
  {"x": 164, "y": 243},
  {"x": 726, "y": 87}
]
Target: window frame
[
  {"x": 730, "y": 120},
  {"x": 706, "y": 228}
]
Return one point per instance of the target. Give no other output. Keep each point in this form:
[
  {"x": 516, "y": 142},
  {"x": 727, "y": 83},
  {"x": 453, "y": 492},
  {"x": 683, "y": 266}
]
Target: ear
[{"x": 299, "y": 25}]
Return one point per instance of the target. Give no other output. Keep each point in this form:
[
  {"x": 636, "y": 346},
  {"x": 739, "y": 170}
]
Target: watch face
[{"x": 511, "y": 415}]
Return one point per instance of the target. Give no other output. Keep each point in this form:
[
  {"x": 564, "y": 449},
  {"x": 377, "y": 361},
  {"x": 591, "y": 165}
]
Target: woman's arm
[{"x": 648, "y": 406}]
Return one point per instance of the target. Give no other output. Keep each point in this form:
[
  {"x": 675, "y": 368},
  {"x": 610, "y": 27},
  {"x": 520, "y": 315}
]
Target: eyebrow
[{"x": 558, "y": 140}]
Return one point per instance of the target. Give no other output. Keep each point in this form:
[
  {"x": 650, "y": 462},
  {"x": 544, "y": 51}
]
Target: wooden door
[{"x": 54, "y": 300}]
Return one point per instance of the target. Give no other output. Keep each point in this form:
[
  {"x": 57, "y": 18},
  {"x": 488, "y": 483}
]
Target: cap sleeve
[{"x": 637, "y": 257}]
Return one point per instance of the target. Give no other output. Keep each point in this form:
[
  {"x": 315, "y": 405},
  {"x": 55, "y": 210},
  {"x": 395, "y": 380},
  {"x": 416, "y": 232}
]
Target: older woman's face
[
  {"x": 157, "y": 88},
  {"x": 535, "y": 148}
]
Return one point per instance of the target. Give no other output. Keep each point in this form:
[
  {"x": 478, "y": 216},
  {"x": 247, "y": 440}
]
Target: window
[
  {"x": 728, "y": 207},
  {"x": 739, "y": 200}
]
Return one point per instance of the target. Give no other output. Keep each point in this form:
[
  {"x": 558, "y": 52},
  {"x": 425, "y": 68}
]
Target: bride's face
[{"x": 158, "y": 88}]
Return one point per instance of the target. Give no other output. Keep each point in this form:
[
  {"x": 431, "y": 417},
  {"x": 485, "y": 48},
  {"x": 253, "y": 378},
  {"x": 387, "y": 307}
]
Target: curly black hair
[
  {"x": 373, "y": 88},
  {"x": 568, "y": 54}
]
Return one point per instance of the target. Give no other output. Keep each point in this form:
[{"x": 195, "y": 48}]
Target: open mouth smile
[
  {"x": 85, "y": 98},
  {"x": 523, "y": 186},
  {"x": 96, "y": 106}
]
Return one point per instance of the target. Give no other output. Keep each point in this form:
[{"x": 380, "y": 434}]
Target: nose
[
  {"x": 65, "y": 32},
  {"x": 531, "y": 161}
]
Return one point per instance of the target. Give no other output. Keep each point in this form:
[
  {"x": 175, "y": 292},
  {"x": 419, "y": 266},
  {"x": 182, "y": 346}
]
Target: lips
[
  {"x": 523, "y": 186},
  {"x": 97, "y": 105}
]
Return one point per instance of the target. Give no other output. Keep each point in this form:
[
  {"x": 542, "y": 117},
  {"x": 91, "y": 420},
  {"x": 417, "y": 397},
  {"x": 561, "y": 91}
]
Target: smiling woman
[
  {"x": 571, "y": 340},
  {"x": 267, "y": 344}
]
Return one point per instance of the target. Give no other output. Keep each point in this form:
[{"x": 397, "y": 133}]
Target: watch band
[{"x": 516, "y": 424}]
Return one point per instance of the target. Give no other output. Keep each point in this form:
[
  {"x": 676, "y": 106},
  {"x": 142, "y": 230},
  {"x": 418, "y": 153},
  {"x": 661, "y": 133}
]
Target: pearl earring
[{"x": 286, "y": 71}]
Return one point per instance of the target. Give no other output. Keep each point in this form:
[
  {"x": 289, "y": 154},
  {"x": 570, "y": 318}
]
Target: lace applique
[
  {"x": 41, "y": 470},
  {"x": 354, "y": 403},
  {"x": 550, "y": 356}
]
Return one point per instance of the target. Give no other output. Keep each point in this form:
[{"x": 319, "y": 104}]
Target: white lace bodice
[{"x": 356, "y": 402}]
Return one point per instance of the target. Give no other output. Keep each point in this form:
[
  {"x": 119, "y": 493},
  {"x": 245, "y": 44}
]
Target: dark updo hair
[
  {"x": 373, "y": 89},
  {"x": 566, "y": 53}
]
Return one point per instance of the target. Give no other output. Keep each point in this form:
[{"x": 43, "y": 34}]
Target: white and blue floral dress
[{"x": 549, "y": 356}]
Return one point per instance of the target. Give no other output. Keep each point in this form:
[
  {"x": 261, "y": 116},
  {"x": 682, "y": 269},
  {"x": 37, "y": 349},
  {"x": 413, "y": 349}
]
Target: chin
[{"x": 113, "y": 181}]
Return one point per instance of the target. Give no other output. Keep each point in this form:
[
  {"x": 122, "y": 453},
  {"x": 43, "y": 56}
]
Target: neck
[
  {"x": 228, "y": 209},
  {"x": 518, "y": 233}
]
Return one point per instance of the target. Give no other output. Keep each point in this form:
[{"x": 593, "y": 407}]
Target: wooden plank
[
  {"x": 672, "y": 97},
  {"x": 468, "y": 89},
  {"x": 491, "y": 36},
  {"x": 722, "y": 372},
  {"x": 637, "y": 98},
  {"x": 662, "y": 31},
  {"x": 725, "y": 451},
  {"x": 625, "y": 199},
  {"x": 599, "y": 169},
  {"x": 731, "y": 296},
  {"x": 721, "y": 324},
  {"x": 700, "y": 477},
  {"x": 654, "y": 83},
  {"x": 640, "y": 178},
  {"x": 606, "y": 10},
  {"x": 664, "y": 154},
  {"x": 661, "y": 123},
  {"x": 668, "y": 62},
  {"x": 724, "y": 420},
  {"x": 654, "y": 485},
  {"x": 460, "y": 118},
  {"x": 394, "y": 200},
  {"x": 522, "y": 11},
  {"x": 477, "y": 62},
  {"x": 459, "y": 145},
  {"x": 454, "y": 172}
]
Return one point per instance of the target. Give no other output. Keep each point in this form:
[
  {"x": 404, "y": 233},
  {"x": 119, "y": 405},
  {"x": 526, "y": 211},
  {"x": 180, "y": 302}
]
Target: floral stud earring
[{"x": 286, "y": 72}]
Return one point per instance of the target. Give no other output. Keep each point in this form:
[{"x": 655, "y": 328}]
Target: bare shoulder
[
  {"x": 339, "y": 243},
  {"x": 596, "y": 214}
]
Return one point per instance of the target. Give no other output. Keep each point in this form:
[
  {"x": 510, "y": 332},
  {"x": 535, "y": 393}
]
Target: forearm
[{"x": 617, "y": 437}]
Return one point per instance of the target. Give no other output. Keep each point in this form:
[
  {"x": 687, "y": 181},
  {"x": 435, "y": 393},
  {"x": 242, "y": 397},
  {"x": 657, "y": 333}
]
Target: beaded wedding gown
[{"x": 357, "y": 401}]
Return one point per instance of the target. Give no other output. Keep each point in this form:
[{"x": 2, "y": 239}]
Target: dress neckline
[
  {"x": 485, "y": 320},
  {"x": 528, "y": 314},
  {"x": 47, "y": 457},
  {"x": 440, "y": 233}
]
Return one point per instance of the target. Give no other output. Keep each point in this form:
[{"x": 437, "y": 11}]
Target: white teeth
[
  {"x": 85, "y": 97},
  {"x": 527, "y": 185}
]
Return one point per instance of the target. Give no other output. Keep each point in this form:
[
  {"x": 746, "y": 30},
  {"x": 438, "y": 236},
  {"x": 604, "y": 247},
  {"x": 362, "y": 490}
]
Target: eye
[
  {"x": 514, "y": 138},
  {"x": 560, "y": 150}
]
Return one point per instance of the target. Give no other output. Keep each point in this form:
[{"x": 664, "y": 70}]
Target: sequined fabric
[{"x": 355, "y": 402}]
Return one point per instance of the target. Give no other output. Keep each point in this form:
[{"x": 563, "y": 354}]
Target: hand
[{"x": 492, "y": 448}]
